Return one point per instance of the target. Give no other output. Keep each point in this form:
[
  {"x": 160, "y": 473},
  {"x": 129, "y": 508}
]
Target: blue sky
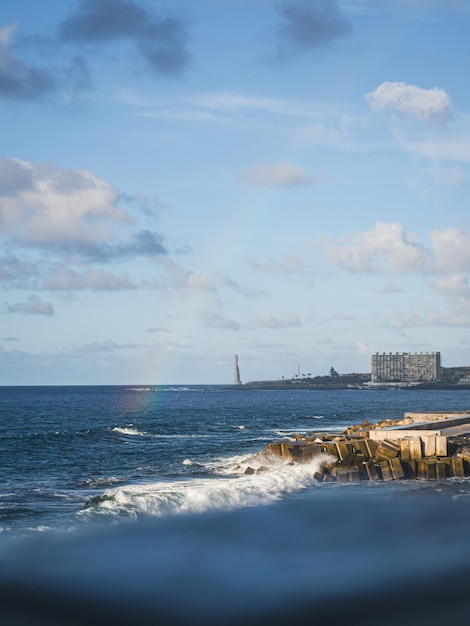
[{"x": 182, "y": 181}]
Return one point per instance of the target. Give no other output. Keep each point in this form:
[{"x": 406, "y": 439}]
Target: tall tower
[{"x": 236, "y": 370}]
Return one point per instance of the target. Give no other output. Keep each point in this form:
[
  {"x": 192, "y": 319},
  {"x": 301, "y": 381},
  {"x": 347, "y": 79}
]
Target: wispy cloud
[
  {"x": 286, "y": 264},
  {"x": 14, "y": 271},
  {"x": 432, "y": 317},
  {"x": 224, "y": 107},
  {"x": 286, "y": 321},
  {"x": 67, "y": 279},
  {"x": 32, "y": 306},
  {"x": 281, "y": 174},
  {"x": 221, "y": 321},
  {"x": 101, "y": 347},
  {"x": 388, "y": 288}
]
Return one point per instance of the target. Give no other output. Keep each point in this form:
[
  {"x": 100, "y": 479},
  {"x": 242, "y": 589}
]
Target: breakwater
[{"x": 427, "y": 446}]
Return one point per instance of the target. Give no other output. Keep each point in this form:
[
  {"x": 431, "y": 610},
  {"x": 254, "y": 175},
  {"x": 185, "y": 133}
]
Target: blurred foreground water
[{"x": 355, "y": 558}]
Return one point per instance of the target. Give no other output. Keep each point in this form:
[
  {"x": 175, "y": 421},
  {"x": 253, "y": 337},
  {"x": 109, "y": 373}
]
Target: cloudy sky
[{"x": 181, "y": 181}]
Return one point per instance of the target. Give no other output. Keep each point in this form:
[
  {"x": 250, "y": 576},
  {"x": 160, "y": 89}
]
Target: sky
[{"x": 185, "y": 180}]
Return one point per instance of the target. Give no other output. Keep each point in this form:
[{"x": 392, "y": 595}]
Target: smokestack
[{"x": 236, "y": 370}]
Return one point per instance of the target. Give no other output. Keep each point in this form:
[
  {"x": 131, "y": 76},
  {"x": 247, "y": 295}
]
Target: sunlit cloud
[
  {"x": 428, "y": 105},
  {"x": 386, "y": 248}
]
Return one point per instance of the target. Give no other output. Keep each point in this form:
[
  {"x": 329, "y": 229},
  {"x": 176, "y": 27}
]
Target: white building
[{"x": 406, "y": 367}]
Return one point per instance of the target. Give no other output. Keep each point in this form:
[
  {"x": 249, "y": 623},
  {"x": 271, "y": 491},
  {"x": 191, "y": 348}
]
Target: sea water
[
  {"x": 106, "y": 488},
  {"x": 83, "y": 455}
]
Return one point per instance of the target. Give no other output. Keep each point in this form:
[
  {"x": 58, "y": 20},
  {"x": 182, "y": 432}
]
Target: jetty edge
[{"x": 427, "y": 446}]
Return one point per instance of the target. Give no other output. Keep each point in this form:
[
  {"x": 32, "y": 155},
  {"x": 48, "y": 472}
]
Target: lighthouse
[{"x": 236, "y": 371}]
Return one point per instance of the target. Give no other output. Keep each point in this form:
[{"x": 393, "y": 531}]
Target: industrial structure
[{"x": 407, "y": 367}]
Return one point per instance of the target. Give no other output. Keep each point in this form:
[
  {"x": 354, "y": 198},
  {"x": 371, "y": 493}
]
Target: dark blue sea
[
  {"x": 71, "y": 456},
  {"x": 99, "y": 479}
]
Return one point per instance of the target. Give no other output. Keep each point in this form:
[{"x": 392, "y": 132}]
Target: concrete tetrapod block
[
  {"x": 427, "y": 469},
  {"x": 346, "y": 474},
  {"x": 387, "y": 450},
  {"x": 397, "y": 469},
  {"x": 415, "y": 449},
  {"x": 360, "y": 447},
  {"x": 441, "y": 470},
  {"x": 306, "y": 452},
  {"x": 429, "y": 445},
  {"x": 344, "y": 449},
  {"x": 457, "y": 468},
  {"x": 441, "y": 445},
  {"x": 331, "y": 449},
  {"x": 386, "y": 470},
  {"x": 393, "y": 433},
  {"x": 371, "y": 447},
  {"x": 371, "y": 470},
  {"x": 275, "y": 448},
  {"x": 286, "y": 449},
  {"x": 405, "y": 450},
  {"x": 409, "y": 467}
]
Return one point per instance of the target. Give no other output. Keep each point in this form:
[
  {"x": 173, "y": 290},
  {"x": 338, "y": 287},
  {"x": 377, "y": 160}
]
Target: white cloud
[
  {"x": 428, "y": 105},
  {"x": 287, "y": 264},
  {"x": 230, "y": 101},
  {"x": 443, "y": 149},
  {"x": 58, "y": 207},
  {"x": 33, "y": 306},
  {"x": 454, "y": 285},
  {"x": 98, "y": 280},
  {"x": 391, "y": 288},
  {"x": 269, "y": 321},
  {"x": 100, "y": 347},
  {"x": 452, "y": 249},
  {"x": 386, "y": 248},
  {"x": 219, "y": 106},
  {"x": 183, "y": 280},
  {"x": 218, "y": 320},
  {"x": 432, "y": 317},
  {"x": 281, "y": 174}
]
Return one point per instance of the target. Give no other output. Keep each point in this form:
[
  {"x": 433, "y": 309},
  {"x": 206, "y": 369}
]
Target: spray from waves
[
  {"x": 129, "y": 431},
  {"x": 262, "y": 485}
]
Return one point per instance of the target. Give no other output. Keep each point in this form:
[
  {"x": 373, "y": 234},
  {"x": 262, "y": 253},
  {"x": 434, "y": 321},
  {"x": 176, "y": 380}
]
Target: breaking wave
[
  {"x": 129, "y": 431},
  {"x": 234, "y": 484}
]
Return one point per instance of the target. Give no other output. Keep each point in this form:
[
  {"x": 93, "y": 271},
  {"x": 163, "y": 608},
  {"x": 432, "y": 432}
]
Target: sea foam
[{"x": 229, "y": 488}]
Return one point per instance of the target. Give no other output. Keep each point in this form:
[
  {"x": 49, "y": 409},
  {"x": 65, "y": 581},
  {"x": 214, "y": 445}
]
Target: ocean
[{"x": 149, "y": 483}]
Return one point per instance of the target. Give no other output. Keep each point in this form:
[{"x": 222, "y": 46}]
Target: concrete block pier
[{"x": 426, "y": 446}]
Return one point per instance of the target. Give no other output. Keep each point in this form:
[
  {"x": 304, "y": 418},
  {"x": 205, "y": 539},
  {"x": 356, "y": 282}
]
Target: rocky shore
[{"x": 427, "y": 446}]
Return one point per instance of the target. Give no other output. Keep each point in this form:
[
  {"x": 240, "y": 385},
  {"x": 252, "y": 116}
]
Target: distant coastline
[{"x": 336, "y": 385}]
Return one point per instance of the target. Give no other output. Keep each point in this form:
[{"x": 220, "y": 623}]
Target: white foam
[
  {"x": 129, "y": 431},
  {"x": 234, "y": 489}
]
